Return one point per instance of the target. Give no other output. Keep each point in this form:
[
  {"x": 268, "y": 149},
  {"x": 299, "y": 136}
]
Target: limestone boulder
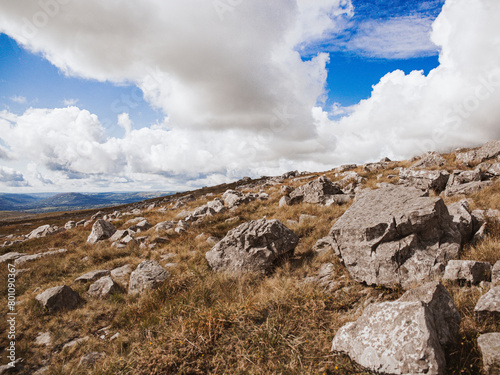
[
  {"x": 485, "y": 152},
  {"x": 122, "y": 274},
  {"x": 252, "y": 246},
  {"x": 103, "y": 288},
  {"x": 489, "y": 344},
  {"x": 488, "y": 306},
  {"x": 101, "y": 230},
  {"x": 148, "y": 275},
  {"x": 59, "y": 298},
  {"x": 468, "y": 271},
  {"x": 468, "y": 188},
  {"x": 316, "y": 192},
  {"x": 424, "y": 179},
  {"x": 92, "y": 276},
  {"x": 396, "y": 236},
  {"x": 429, "y": 160},
  {"x": 463, "y": 219}
]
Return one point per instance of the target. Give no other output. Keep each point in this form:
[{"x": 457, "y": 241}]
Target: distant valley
[{"x": 48, "y": 202}]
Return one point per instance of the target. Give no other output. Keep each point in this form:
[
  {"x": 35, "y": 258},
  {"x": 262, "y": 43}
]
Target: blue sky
[{"x": 177, "y": 95}]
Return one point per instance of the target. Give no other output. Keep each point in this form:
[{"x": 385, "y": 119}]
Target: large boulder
[
  {"x": 101, "y": 230},
  {"x": 487, "y": 151},
  {"x": 424, "y": 179},
  {"x": 488, "y": 306},
  {"x": 489, "y": 343},
  {"x": 316, "y": 192},
  {"x": 44, "y": 231},
  {"x": 463, "y": 177},
  {"x": 234, "y": 198},
  {"x": 429, "y": 160},
  {"x": 59, "y": 298},
  {"x": 395, "y": 236},
  {"x": 467, "y": 271},
  {"x": 148, "y": 275},
  {"x": 103, "y": 288},
  {"x": 122, "y": 274},
  {"x": 404, "y": 336},
  {"x": 252, "y": 246}
]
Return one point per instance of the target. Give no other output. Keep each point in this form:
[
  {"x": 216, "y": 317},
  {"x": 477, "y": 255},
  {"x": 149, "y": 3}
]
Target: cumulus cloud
[
  {"x": 12, "y": 178},
  {"x": 70, "y": 102},
  {"x": 18, "y": 99},
  {"x": 238, "y": 98}
]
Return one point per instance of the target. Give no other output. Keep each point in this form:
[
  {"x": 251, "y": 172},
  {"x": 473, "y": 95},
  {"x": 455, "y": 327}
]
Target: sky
[{"x": 115, "y": 96}]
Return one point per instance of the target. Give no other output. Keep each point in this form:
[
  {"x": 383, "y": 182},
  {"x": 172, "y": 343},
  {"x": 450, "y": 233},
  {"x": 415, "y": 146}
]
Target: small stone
[{"x": 44, "y": 339}]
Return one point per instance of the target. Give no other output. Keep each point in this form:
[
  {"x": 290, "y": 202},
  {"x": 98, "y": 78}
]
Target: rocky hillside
[{"x": 389, "y": 267}]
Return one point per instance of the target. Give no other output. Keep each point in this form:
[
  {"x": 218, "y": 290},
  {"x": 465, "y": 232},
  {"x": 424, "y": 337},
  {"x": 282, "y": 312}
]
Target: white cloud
[
  {"x": 70, "y": 102},
  {"x": 18, "y": 99},
  {"x": 11, "y": 178},
  {"x": 394, "y": 38},
  {"x": 237, "y": 96}
]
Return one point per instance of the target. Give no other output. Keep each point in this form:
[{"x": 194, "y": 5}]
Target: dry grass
[{"x": 200, "y": 322}]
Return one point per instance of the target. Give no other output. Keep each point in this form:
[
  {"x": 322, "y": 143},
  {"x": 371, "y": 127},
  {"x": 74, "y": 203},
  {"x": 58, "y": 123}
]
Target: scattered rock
[
  {"x": 103, "y": 288},
  {"x": 97, "y": 215},
  {"x": 59, "y": 298},
  {"x": 468, "y": 188},
  {"x": 290, "y": 174},
  {"x": 233, "y": 198},
  {"x": 10, "y": 256},
  {"x": 90, "y": 359},
  {"x": 69, "y": 225},
  {"x": 395, "y": 236},
  {"x": 252, "y": 246},
  {"x": 401, "y": 337},
  {"x": 489, "y": 344},
  {"x": 30, "y": 258},
  {"x": 75, "y": 342},
  {"x": 43, "y": 231},
  {"x": 316, "y": 192},
  {"x": 284, "y": 201},
  {"x": 148, "y": 275},
  {"x": 488, "y": 306},
  {"x": 463, "y": 177},
  {"x": 44, "y": 339},
  {"x": 468, "y": 271},
  {"x": 429, "y": 160},
  {"x": 424, "y": 179},
  {"x": 92, "y": 276},
  {"x": 101, "y": 230},
  {"x": 165, "y": 226},
  {"x": 141, "y": 226},
  {"x": 487, "y": 151}
]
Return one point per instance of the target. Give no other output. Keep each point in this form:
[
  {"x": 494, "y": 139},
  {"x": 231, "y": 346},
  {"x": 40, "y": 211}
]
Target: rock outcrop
[
  {"x": 59, "y": 298},
  {"x": 252, "y": 246},
  {"x": 318, "y": 191},
  {"x": 101, "y": 230},
  {"x": 395, "y": 236},
  {"x": 487, "y": 151},
  {"x": 404, "y": 336},
  {"x": 467, "y": 271},
  {"x": 148, "y": 275},
  {"x": 424, "y": 179},
  {"x": 488, "y": 306}
]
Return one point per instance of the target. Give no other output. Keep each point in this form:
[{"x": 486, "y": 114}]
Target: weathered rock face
[
  {"x": 122, "y": 274},
  {"x": 32, "y": 257},
  {"x": 495, "y": 273},
  {"x": 488, "y": 306},
  {"x": 487, "y": 151},
  {"x": 92, "y": 276},
  {"x": 69, "y": 225},
  {"x": 316, "y": 192},
  {"x": 148, "y": 275},
  {"x": 423, "y": 179},
  {"x": 103, "y": 288},
  {"x": 141, "y": 226},
  {"x": 462, "y": 217},
  {"x": 252, "y": 246},
  {"x": 101, "y": 230},
  {"x": 429, "y": 160},
  {"x": 233, "y": 198},
  {"x": 467, "y": 271},
  {"x": 463, "y": 177},
  {"x": 395, "y": 236},
  {"x": 59, "y": 298},
  {"x": 402, "y": 337},
  {"x": 467, "y": 189},
  {"x": 489, "y": 343},
  {"x": 44, "y": 231}
]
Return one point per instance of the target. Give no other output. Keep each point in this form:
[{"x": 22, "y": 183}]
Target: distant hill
[{"x": 35, "y": 203}]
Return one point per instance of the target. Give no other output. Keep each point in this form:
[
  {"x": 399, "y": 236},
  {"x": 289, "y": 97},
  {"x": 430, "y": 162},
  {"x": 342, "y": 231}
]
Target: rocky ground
[{"x": 388, "y": 267}]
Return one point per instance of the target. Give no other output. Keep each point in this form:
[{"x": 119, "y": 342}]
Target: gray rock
[
  {"x": 495, "y": 273},
  {"x": 284, "y": 201},
  {"x": 440, "y": 303},
  {"x": 429, "y": 160},
  {"x": 290, "y": 174},
  {"x": 488, "y": 306},
  {"x": 489, "y": 344},
  {"x": 323, "y": 244},
  {"x": 467, "y": 189},
  {"x": 148, "y": 275},
  {"x": 101, "y": 230},
  {"x": 134, "y": 221},
  {"x": 402, "y": 337},
  {"x": 141, "y": 226},
  {"x": 373, "y": 167},
  {"x": 90, "y": 359},
  {"x": 395, "y": 236},
  {"x": 316, "y": 192},
  {"x": 92, "y": 276},
  {"x": 69, "y": 225},
  {"x": 10, "y": 256},
  {"x": 467, "y": 271},
  {"x": 463, "y": 219},
  {"x": 285, "y": 190},
  {"x": 75, "y": 342},
  {"x": 463, "y": 177},
  {"x": 103, "y": 288},
  {"x": 424, "y": 179},
  {"x": 494, "y": 170},
  {"x": 30, "y": 258},
  {"x": 165, "y": 225},
  {"x": 44, "y": 339},
  {"x": 233, "y": 198},
  {"x": 59, "y": 298},
  {"x": 97, "y": 215},
  {"x": 252, "y": 246},
  {"x": 120, "y": 234},
  {"x": 122, "y": 274},
  {"x": 487, "y": 151},
  {"x": 338, "y": 199},
  {"x": 39, "y": 232}
]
